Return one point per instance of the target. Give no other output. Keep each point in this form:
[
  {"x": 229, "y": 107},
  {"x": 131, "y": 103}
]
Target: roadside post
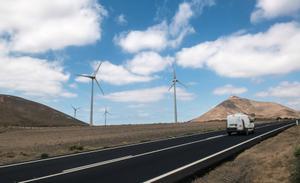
[{"x": 297, "y": 122}]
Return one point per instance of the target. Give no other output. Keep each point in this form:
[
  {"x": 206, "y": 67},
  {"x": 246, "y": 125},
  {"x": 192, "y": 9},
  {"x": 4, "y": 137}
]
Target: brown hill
[
  {"x": 262, "y": 110},
  {"x": 16, "y": 111}
]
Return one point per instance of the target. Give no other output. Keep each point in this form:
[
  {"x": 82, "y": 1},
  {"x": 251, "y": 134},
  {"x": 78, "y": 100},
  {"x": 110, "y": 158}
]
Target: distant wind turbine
[
  {"x": 75, "y": 110},
  {"x": 105, "y": 115},
  {"x": 93, "y": 78},
  {"x": 173, "y": 85}
]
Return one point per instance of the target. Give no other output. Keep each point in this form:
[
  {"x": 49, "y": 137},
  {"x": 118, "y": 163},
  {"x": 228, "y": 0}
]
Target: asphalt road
[{"x": 163, "y": 161}]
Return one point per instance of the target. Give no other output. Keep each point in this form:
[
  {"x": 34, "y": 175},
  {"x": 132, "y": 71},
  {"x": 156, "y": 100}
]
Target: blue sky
[{"x": 219, "y": 48}]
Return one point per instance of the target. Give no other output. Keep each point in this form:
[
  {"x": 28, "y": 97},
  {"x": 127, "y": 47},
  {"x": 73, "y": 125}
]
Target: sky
[{"x": 247, "y": 48}]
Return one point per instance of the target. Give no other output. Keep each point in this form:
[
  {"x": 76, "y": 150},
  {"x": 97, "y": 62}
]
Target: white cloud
[
  {"x": 269, "y": 9},
  {"x": 163, "y": 35},
  {"x": 121, "y": 19},
  {"x": 183, "y": 95},
  {"x": 33, "y": 76},
  {"x": 229, "y": 90},
  {"x": 119, "y": 75},
  {"x": 37, "y": 26},
  {"x": 285, "y": 89},
  {"x": 147, "y": 95},
  {"x": 153, "y": 38},
  {"x": 146, "y": 63},
  {"x": 139, "y": 69},
  {"x": 275, "y": 51}
]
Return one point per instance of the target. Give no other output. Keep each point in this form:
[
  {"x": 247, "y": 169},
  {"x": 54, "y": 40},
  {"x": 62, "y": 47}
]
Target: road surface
[{"x": 166, "y": 160}]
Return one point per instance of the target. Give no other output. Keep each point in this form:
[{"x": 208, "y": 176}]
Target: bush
[
  {"x": 44, "y": 155},
  {"x": 76, "y": 147}
]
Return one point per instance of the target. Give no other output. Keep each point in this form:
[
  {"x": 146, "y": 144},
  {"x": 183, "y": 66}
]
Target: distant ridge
[
  {"x": 17, "y": 111},
  {"x": 262, "y": 110}
]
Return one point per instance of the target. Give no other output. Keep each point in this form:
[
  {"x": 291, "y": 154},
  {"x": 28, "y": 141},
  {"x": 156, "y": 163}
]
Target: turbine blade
[
  {"x": 182, "y": 84},
  {"x": 96, "y": 71},
  {"x": 84, "y": 75},
  {"x": 171, "y": 87},
  {"x": 174, "y": 72},
  {"x": 99, "y": 86}
]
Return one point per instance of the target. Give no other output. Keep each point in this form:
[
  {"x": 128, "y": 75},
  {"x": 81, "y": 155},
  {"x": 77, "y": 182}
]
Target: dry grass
[
  {"x": 270, "y": 161},
  {"x": 22, "y": 144}
]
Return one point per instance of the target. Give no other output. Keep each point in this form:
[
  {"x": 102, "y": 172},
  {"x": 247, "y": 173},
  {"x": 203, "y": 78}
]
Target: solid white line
[
  {"x": 111, "y": 148},
  {"x": 118, "y": 159},
  {"x": 211, "y": 156},
  {"x": 100, "y": 150}
]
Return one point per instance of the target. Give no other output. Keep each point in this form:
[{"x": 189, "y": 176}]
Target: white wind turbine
[
  {"x": 75, "y": 110},
  {"x": 93, "y": 78},
  {"x": 105, "y": 115},
  {"x": 173, "y": 85}
]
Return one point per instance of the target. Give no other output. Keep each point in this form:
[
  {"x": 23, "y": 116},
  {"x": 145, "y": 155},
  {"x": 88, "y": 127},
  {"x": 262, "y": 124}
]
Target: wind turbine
[
  {"x": 173, "y": 85},
  {"x": 105, "y": 115},
  {"x": 75, "y": 110},
  {"x": 93, "y": 78}
]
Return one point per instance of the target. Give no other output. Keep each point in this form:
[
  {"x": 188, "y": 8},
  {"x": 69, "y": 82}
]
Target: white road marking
[
  {"x": 100, "y": 150},
  {"x": 97, "y": 164},
  {"x": 211, "y": 156},
  {"x": 111, "y": 148},
  {"x": 78, "y": 169},
  {"x": 118, "y": 159}
]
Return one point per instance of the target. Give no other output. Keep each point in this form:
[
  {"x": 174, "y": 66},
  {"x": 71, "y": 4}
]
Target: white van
[{"x": 240, "y": 123}]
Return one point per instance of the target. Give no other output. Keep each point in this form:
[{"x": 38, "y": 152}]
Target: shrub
[
  {"x": 44, "y": 155},
  {"x": 76, "y": 147}
]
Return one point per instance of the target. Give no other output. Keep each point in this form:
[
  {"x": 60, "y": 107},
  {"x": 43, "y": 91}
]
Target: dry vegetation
[
  {"x": 22, "y": 144},
  {"x": 272, "y": 160}
]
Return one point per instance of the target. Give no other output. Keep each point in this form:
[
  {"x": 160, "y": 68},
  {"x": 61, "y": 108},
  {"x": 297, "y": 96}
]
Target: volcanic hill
[
  {"x": 262, "y": 110},
  {"x": 16, "y": 111}
]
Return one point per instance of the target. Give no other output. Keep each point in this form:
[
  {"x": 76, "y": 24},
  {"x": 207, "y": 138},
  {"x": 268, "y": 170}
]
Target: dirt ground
[
  {"x": 270, "y": 161},
  {"x": 23, "y": 144}
]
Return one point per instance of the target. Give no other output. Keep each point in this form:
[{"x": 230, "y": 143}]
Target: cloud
[
  {"x": 35, "y": 26},
  {"x": 229, "y": 90},
  {"x": 147, "y": 95},
  {"x": 269, "y": 9},
  {"x": 285, "y": 89},
  {"x": 139, "y": 69},
  {"x": 121, "y": 19},
  {"x": 163, "y": 35},
  {"x": 33, "y": 76},
  {"x": 147, "y": 63},
  {"x": 119, "y": 75},
  {"x": 275, "y": 51},
  {"x": 154, "y": 38}
]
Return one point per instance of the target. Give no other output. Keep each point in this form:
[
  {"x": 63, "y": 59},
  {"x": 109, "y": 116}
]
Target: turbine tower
[
  {"x": 93, "y": 78},
  {"x": 173, "y": 85},
  {"x": 75, "y": 110},
  {"x": 105, "y": 115}
]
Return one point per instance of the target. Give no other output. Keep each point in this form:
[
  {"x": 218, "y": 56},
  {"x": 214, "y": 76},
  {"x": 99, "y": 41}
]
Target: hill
[
  {"x": 262, "y": 110},
  {"x": 16, "y": 111}
]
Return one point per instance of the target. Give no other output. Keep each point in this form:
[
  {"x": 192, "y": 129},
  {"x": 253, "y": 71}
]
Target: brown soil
[
  {"x": 270, "y": 161},
  {"x": 22, "y": 144}
]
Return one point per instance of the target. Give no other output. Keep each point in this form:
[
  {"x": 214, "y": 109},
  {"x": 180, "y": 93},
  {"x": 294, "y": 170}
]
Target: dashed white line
[{"x": 117, "y": 160}]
